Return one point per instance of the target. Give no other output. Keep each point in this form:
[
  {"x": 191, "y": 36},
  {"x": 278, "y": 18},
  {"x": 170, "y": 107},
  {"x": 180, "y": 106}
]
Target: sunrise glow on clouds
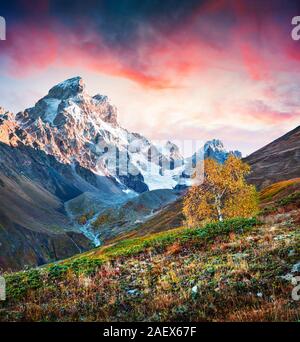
[{"x": 175, "y": 70}]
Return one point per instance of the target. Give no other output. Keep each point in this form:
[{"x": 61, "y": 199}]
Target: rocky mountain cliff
[
  {"x": 35, "y": 227},
  {"x": 216, "y": 150},
  {"x": 76, "y": 127},
  {"x": 279, "y": 160}
]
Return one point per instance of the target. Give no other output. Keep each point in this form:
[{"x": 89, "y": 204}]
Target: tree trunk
[
  {"x": 218, "y": 206},
  {"x": 220, "y": 216}
]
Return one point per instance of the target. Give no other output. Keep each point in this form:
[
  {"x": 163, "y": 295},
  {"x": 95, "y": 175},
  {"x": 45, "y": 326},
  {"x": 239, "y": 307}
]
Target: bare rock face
[
  {"x": 8, "y": 128},
  {"x": 65, "y": 122},
  {"x": 69, "y": 100},
  {"x": 67, "y": 89},
  {"x": 279, "y": 160},
  {"x": 34, "y": 226}
]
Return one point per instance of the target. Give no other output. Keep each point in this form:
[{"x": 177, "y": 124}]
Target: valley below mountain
[
  {"x": 65, "y": 181},
  {"x": 237, "y": 270}
]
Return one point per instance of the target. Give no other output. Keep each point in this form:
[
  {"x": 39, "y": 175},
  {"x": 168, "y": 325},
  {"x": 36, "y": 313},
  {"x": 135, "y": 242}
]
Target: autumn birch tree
[{"x": 223, "y": 194}]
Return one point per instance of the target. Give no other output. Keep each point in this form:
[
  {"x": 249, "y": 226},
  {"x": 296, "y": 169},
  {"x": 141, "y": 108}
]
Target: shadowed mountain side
[
  {"x": 34, "y": 226},
  {"x": 279, "y": 160},
  {"x": 112, "y": 220},
  {"x": 170, "y": 216},
  {"x": 22, "y": 247}
]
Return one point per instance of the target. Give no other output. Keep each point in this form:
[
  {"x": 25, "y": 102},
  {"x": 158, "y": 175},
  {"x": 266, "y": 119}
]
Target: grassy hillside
[
  {"x": 169, "y": 217},
  {"x": 236, "y": 270},
  {"x": 282, "y": 199},
  {"x": 279, "y": 160},
  {"x": 279, "y": 190}
]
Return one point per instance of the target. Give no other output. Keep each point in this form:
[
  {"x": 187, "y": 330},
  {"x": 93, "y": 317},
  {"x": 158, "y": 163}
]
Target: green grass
[
  {"x": 161, "y": 240},
  {"x": 293, "y": 198},
  {"x": 19, "y": 284},
  {"x": 152, "y": 278}
]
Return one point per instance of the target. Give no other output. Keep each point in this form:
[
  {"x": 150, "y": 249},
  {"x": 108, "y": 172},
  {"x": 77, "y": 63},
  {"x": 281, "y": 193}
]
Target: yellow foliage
[{"x": 223, "y": 193}]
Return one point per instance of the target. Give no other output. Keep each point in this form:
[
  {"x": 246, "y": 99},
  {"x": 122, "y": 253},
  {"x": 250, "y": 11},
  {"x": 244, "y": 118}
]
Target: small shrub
[
  {"x": 101, "y": 219},
  {"x": 293, "y": 198},
  {"x": 83, "y": 219},
  {"x": 18, "y": 284},
  {"x": 57, "y": 271},
  {"x": 84, "y": 265}
]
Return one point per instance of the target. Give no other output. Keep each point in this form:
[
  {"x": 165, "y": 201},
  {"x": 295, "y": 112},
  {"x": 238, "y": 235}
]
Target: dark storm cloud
[
  {"x": 118, "y": 21},
  {"x": 21, "y": 10},
  {"x": 147, "y": 41}
]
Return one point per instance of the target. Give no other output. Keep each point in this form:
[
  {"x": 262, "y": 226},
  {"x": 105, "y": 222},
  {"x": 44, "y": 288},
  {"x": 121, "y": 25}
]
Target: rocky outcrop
[{"x": 124, "y": 217}]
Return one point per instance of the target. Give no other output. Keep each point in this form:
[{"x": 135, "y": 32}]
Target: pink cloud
[
  {"x": 262, "y": 113},
  {"x": 159, "y": 59}
]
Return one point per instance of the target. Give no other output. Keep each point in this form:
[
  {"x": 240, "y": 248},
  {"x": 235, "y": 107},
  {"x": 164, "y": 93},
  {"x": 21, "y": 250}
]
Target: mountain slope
[
  {"x": 122, "y": 218},
  {"x": 279, "y": 160},
  {"x": 238, "y": 270},
  {"x": 35, "y": 227},
  {"x": 168, "y": 217}
]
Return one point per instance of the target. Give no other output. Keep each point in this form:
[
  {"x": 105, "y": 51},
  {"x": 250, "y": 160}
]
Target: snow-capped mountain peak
[
  {"x": 67, "y": 89},
  {"x": 68, "y": 103},
  {"x": 77, "y": 128},
  {"x": 215, "y": 149},
  {"x": 215, "y": 144}
]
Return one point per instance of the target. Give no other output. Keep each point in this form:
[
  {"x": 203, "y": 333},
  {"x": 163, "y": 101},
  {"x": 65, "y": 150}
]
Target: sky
[{"x": 226, "y": 69}]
